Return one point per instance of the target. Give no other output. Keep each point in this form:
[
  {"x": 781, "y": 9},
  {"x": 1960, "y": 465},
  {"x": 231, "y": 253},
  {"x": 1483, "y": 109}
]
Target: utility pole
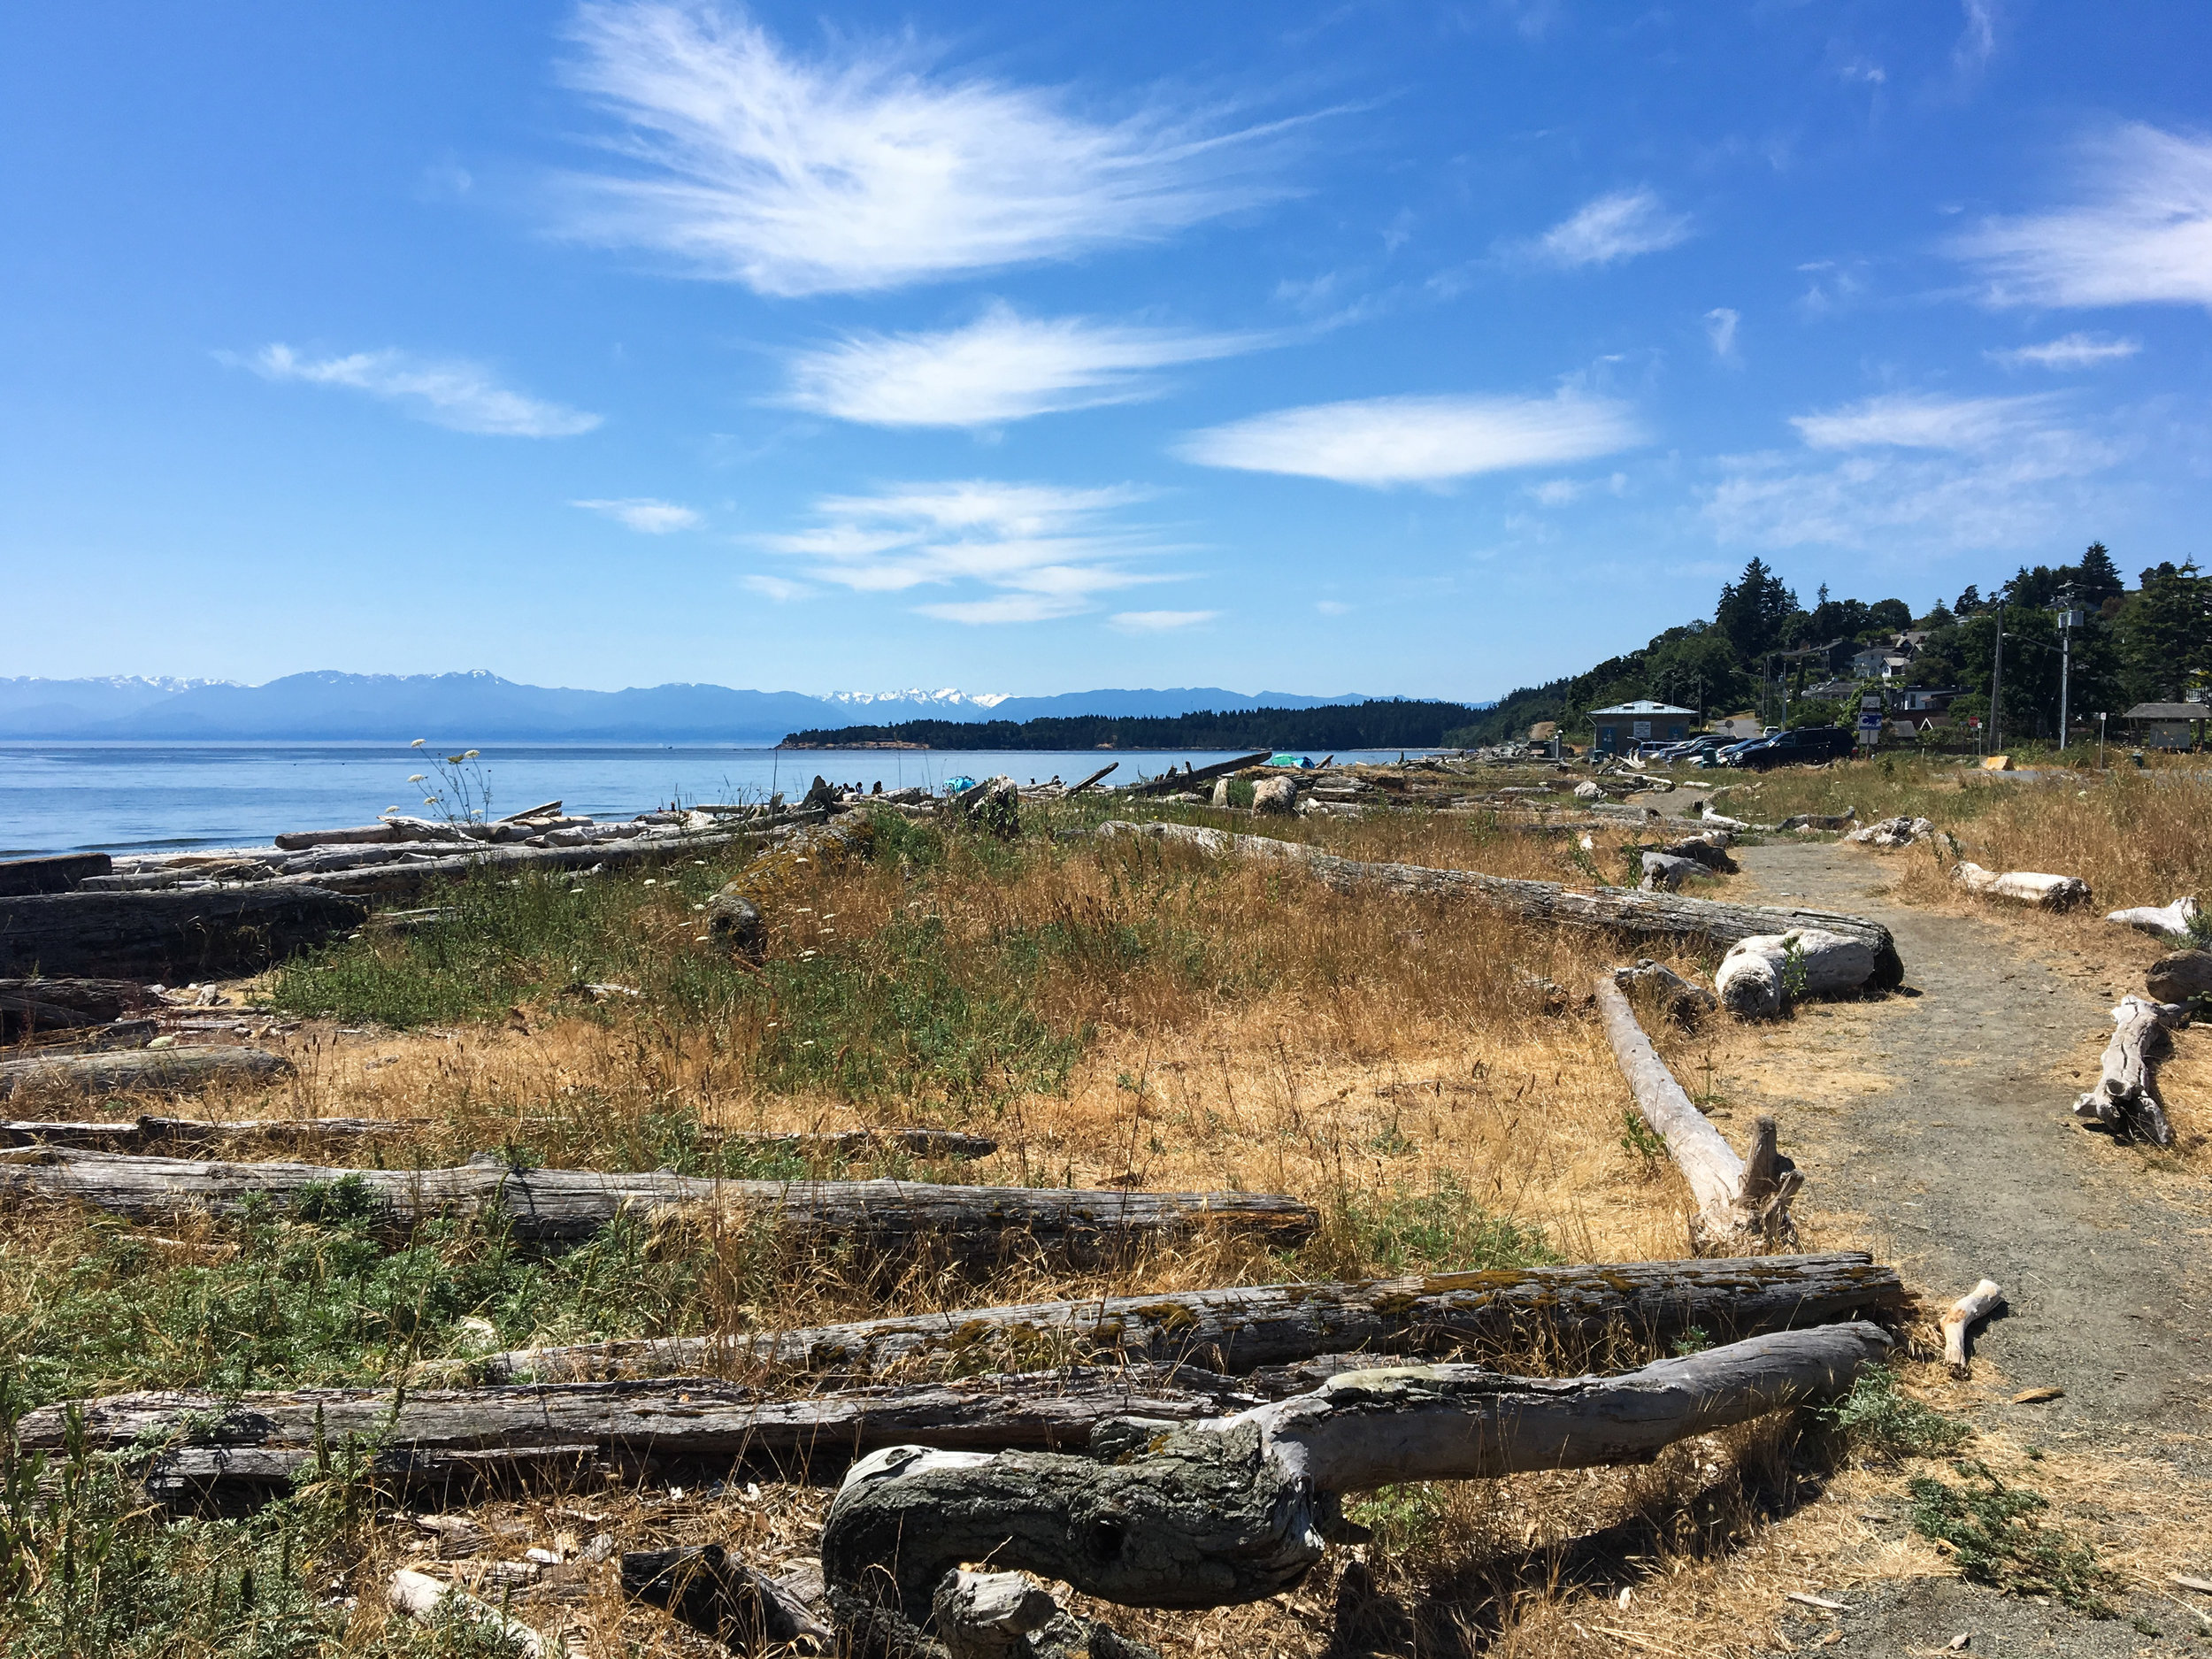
[
  {"x": 2067, "y": 617},
  {"x": 1997, "y": 689},
  {"x": 2100, "y": 742}
]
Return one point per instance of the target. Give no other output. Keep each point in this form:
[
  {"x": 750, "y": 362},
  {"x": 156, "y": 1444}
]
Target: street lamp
[{"x": 2069, "y": 619}]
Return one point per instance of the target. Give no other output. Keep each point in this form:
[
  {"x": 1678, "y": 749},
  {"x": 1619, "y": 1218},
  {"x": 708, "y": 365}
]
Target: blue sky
[{"x": 1419, "y": 348}]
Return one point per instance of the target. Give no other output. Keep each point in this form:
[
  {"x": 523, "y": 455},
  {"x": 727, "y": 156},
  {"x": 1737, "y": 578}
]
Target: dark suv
[{"x": 1808, "y": 744}]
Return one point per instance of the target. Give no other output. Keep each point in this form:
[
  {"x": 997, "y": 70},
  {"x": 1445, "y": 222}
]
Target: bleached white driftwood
[
  {"x": 419, "y": 1596},
  {"x": 1893, "y": 831},
  {"x": 1237, "y": 1509},
  {"x": 2024, "y": 886},
  {"x": 2126, "y": 1095},
  {"x": 2171, "y": 919},
  {"x": 1663, "y": 872},
  {"x": 1969, "y": 1310},
  {"x": 1739, "y": 1200},
  {"x": 1274, "y": 795},
  {"x": 145, "y": 1070},
  {"x": 1763, "y": 975},
  {"x": 1821, "y": 821}
]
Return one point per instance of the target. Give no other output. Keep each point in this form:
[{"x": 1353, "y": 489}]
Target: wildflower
[{"x": 419, "y": 742}]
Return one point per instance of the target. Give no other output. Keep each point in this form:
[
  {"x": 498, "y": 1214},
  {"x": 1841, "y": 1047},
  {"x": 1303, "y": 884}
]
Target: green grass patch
[
  {"x": 318, "y": 1296},
  {"x": 1996, "y": 1534},
  {"x": 1440, "y": 1229}
]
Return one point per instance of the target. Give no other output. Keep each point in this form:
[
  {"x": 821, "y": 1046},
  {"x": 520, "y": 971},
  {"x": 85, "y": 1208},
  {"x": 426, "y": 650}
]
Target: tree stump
[
  {"x": 1761, "y": 976},
  {"x": 2125, "y": 1099}
]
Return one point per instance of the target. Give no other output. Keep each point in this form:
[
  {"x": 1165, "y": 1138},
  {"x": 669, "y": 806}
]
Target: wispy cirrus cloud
[
  {"x": 1160, "y": 621},
  {"x": 866, "y": 167},
  {"x": 644, "y": 514},
  {"x": 1384, "y": 441},
  {"x": 1720, "y": 332},
  {"x": 1002, "y": 368},
  {"x": 1619, "y": 226},
  {"x": 1904, "y": 472},
  {"x": 2068, "y": 351},
  {"x": 2140, "y": 233},
  {"x": 1037, "y": 551},
  {"x": 449, "y": 392}
]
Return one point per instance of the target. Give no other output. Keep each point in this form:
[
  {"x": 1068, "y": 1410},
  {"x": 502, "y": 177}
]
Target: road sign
[{"x": 1869, "y": 723}]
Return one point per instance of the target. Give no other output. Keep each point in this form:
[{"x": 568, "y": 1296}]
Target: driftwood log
[
  {"x": 53, "y": 873},
  {"x": 1893, "y": 831},
  {"x": 1663, "y": 872},
  {"x": 2171, "y": 920},
  {"x": 2023, "y": 887},
  {"x": 144, "y": 1071},
  {"x": 560, "y": 1206},
  {"x": 227, "y": 1449},
  {"x": 132, "y": 1135},
  {"x": 1761, "y": 977},
  {"x": 1617, "y": 909},
  {"x": 921, "y": 1143},
  {"x": 91, "y": 1002},
  {"x": 1237, "y": 1508},
  {"x": 1739, "y": 1200},
  {"x": 1960, "y": 1319},
  {"x": 1167, "y": 781},
  {"x": 2182, "y": 977},
  {"x": 1685, "y": 1003},
  {"x": 2125, "y": 1099},
  {"x": 176, "y": 936},
  {"x": 1575, "y": 1311},
  {"x": 1820, "y": 821},
  {"x": 713, "y": 1591}
]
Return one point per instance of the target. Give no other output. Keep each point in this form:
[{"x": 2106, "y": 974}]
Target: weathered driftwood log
[
  {"x": 1893, "y": 831},
  {"x": 994, "y": 804},
  {"x": 1094, "y": 777},
  {"x": 1278, "y": 796},
  {"x": 1710, "y": 851},
  {"x": 1958, "y": 1320},
  {"x": 136, "y": 1135},
  {"x": 1739, "y": 1200},
  {"x": 921, "y": 1143},
  {"x": 2172, "y": 920},
  {"x": 2182, "y": 977},
  {"x": 1237, "y": 1509},
  {"x": 1684, "y": 1002},
  {"x": 564, "y": 1205},
  {"x": 1238, "y": 1330},
  {"x": 714, "y": 1592},
  {"x": 239, "y": 1447},
  {"x": 2126, "y": 1098},
  {"x": 386, "y": 881},
  {"x": 172, "y": 936},
  {"x": 94, "y": 1002},
  {"x": 365, "y": 834},
  {"x": 2024, "y": 886},
  {"x": 419, "y": 1596},
  {"x": 144, "y": 1071},
  {"x": 1172, "y": 781},
  {"x": 1663, "y": 872},
  {"x": 53, "y": 873},
  {"x": 1761, "y": 976},
  {"x": 1621, "y": 909}
]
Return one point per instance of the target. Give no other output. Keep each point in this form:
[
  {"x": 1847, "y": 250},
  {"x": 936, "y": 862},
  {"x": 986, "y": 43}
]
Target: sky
[{"x": 1427, "y": 349}]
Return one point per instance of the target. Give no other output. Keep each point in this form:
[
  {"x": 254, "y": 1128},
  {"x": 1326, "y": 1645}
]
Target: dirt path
[{"x": 1938, "y": 1123}]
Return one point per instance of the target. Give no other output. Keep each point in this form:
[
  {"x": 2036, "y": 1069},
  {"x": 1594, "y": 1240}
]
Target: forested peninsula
[{"x": 1381, "y": 723}]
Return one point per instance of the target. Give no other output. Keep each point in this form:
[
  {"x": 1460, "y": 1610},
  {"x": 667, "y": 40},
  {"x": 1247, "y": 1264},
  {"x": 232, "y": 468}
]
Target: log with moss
[
  {"x": 561, "y": 1206},
  {"x": 1239, "y": 1330},
  {"x": 144, "y": 1071},
  {"x": 1608, "y": 909}
]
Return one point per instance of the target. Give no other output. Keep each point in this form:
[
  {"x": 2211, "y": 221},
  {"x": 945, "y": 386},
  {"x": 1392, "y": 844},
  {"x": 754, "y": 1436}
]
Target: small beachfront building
[{"x": 1620, "y": 729}]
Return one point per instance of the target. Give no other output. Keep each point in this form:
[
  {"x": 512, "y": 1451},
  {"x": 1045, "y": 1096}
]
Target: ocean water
[{"x": 144, "y": 797}]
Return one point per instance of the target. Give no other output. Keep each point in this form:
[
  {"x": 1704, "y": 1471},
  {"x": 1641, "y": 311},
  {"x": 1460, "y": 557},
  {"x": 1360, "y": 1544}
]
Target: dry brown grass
[{"x": 1348, "y": 1049}]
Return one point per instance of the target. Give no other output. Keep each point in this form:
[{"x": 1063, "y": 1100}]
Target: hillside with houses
[{"x": 2068, "y": 643}]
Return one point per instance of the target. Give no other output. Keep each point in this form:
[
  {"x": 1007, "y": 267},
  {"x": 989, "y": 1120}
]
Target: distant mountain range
[{"x": 480, "y": 707}]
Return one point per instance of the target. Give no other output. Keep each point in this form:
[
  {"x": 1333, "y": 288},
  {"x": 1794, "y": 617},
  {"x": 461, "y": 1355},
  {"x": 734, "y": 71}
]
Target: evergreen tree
[
  {"x": 1753, "y": 611},
  {"x": 2097, "y": 579},
  {"x": 2165, "y": 633}
]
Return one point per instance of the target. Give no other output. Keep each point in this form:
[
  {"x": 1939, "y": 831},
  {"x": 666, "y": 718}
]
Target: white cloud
[
  {"x": 1978, "y": 40},
  {"x": 1385, "y": 441},
  {"x": 1043, "y": 552},
  {"x": 1332, "y": 607},
  {"x": 2068, "y": 351},
  {"x": 1911, "y": 421},
  {"x": 778, "y": 588},
  {"x": 2141, "y": 234},
  {"x": 1916, "y": 473},
  {"x": 1002, "y": 368},
  {"x": 644, "y": 514},
  {"x": 1159, "y": 621},
  {"x": 1614, "y": 227},
  {"x": 866, "y": 169},
  {"x": 447, "y": 392},
  {"x": 1720, "y": 330}
]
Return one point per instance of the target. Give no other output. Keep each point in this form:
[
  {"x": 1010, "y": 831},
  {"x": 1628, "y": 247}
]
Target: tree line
[
  {"x": 2151, "y": 643},
  {"x": 1382, "y": 723}
]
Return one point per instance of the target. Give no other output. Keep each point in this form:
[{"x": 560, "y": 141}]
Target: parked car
[
  {"x": 1806, "y": 745},
  {"x": 1690, "y": 752}
]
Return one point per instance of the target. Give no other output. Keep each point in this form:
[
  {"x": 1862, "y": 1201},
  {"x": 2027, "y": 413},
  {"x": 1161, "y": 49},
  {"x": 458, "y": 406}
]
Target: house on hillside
[{"x": 1620, "y": 729}]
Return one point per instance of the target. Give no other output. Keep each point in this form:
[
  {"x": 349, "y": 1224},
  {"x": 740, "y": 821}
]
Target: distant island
[{"x": 1378, "y": 723}]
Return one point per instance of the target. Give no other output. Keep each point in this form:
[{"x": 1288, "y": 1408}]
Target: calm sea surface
[{"x": 122, "y": 797}]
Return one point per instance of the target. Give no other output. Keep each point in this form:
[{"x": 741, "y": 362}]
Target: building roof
[
  {"x": 1643, "y": 705},
  {"x": 2169, "y": 711}
]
